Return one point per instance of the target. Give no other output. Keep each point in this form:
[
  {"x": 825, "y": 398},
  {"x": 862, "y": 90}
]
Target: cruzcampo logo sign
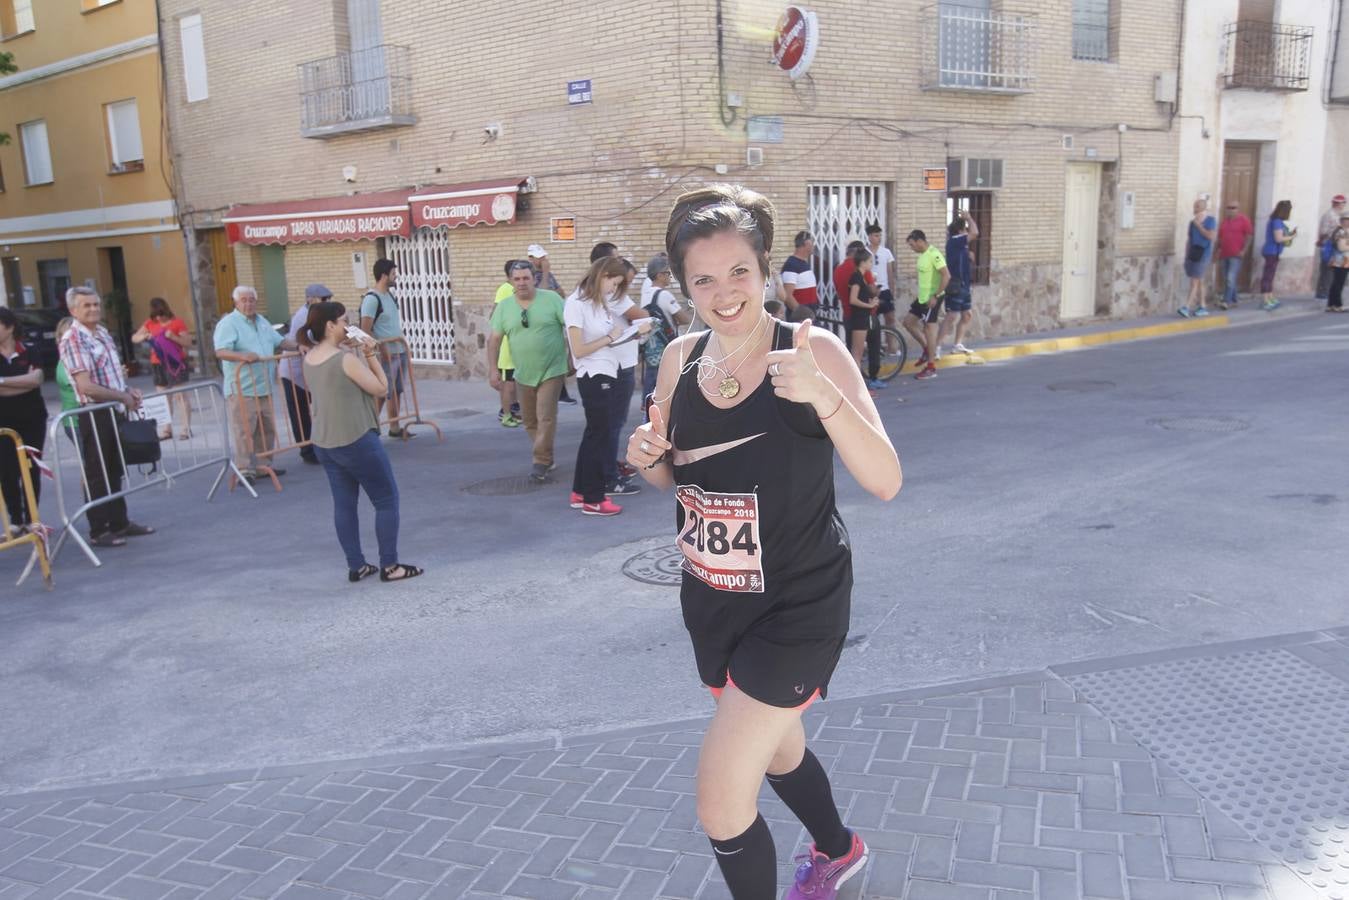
[{"x": 795, "y": 41}]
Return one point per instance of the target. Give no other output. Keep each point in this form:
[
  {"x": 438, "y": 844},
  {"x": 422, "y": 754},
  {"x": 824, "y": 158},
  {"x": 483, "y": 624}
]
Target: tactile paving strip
[{"x": 1264, "y": 735}]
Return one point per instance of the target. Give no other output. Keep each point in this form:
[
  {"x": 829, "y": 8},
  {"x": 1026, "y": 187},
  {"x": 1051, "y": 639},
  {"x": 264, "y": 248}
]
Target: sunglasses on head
[{"x": 524, "y": 318}]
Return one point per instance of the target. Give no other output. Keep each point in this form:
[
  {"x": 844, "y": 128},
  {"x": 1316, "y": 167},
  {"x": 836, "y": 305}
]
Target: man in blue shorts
[{"x": 959, "y": 259}]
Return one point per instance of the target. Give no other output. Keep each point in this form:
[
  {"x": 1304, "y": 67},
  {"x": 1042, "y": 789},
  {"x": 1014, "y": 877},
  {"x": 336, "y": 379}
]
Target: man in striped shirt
[{"x": 90, "y": 357}]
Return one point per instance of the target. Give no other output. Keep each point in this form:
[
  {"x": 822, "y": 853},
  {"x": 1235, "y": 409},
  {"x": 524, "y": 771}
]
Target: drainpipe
[{"x": 722, "y": 108}]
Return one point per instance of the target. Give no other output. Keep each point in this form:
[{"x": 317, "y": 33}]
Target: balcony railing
[
  {"x": 1268, "y": 57},
  {"x": 357, "y": 91},
  {"x": 967, "y": 49}
]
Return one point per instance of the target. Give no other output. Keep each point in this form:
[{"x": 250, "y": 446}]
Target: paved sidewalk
[{"x": 1215, "y": 772}]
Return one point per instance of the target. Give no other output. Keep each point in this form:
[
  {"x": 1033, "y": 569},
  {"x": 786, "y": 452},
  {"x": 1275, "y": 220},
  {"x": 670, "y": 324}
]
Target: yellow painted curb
[{"x": 1078, "y": 341}]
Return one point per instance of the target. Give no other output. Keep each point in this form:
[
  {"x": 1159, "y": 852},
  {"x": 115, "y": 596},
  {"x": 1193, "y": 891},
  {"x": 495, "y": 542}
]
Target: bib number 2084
[{"x": 720, "y": 539}]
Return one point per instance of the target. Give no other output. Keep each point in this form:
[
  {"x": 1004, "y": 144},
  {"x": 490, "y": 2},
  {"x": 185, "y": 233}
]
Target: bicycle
[{"x": 894, "y": 352}]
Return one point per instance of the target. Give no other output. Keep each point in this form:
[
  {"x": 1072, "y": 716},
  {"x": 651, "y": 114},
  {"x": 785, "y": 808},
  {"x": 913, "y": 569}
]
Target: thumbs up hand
[
  {"x": 649, "y": 443},
  {"x": 796, "y": 374}
]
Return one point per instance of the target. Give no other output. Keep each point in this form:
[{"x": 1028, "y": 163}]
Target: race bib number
[{"x": 720, "y": 539}]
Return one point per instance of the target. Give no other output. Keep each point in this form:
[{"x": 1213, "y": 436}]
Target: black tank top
[{"x": 763, "y": 543}]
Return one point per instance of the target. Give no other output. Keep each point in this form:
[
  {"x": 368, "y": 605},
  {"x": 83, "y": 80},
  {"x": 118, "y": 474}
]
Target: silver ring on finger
[
  {"x": 775, "y": 369},
  {"x": 644, "y": 447}
]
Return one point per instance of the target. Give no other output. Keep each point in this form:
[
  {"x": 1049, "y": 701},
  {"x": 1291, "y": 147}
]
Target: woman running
[{"x": 755, "y": 410}]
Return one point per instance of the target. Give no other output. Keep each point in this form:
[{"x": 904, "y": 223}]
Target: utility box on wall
[{"x": 1127, "y": 202}]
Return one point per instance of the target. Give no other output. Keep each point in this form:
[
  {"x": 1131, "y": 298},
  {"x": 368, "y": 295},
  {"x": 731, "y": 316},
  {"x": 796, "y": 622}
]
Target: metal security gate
[
  {"x": 424, "y": 299},
  {"x": 837, "y": 215}
]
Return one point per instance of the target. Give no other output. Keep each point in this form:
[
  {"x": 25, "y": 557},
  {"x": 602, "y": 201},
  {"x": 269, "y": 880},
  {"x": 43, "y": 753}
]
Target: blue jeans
[
  {"x": 621, "y": 398},
  {"x": 649, "y": 374},
  {"x": 362, "y": 464},
  {"x": 1231, "y": 269}
]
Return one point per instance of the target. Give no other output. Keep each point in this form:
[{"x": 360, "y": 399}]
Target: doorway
[
  {"x": 53, "y": 276},
  {"x": 1081, "y": 221},
  {"x": 837, "y": 214},
  {"x": 223, "y": 277},
  {"x": 9, "y": 268},
  {"x": 273, "y": 258},
  {"x": 1241, "y": 185}
]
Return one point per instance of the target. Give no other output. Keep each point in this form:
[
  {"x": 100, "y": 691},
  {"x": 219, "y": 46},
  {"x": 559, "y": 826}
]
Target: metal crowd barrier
[
  {"x": 207, "y": 446},
  {"x": 36, "y": 533},
  {"x": 254, "y": 410}
]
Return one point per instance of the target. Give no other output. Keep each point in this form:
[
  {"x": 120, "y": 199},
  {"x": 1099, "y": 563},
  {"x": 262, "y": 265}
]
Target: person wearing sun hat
[{"x": 1330, "y": 223}]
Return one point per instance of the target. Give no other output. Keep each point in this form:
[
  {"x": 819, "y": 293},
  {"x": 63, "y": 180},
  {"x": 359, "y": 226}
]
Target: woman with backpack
[{"x": 169, "y": 344}]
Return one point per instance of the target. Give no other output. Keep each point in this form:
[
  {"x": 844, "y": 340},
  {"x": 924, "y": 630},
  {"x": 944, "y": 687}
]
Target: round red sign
[{"x": 795, "y": 41}]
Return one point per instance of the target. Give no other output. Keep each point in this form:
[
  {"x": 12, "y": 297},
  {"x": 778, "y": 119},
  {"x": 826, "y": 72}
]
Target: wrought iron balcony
[
  {"x": 967, "y": 49},
  {"x": 357, "y": 91},
  {"x": 1266, "y": 57}
]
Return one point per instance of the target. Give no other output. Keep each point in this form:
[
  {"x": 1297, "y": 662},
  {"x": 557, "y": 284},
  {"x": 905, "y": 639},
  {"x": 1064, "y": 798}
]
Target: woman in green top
[
  {"x": 66, "y": 386},
  {"x": 345, "y": 378}
]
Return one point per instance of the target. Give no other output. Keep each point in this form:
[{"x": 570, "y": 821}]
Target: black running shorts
[
  {"x": 780, "y": 672},
  {"x": 926, "y": 312}
]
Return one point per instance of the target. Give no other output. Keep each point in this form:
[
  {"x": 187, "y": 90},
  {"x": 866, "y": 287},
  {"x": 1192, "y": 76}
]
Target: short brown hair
[
  {"x": 715, "y": 209},
  {"x": 592, "y": 288}
]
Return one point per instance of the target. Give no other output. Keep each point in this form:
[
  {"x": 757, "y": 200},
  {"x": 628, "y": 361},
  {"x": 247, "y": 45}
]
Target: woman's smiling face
[{"x": 725, "y": 282}]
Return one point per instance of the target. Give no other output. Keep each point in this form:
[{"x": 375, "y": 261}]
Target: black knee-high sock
[
  {"x": 807, "y": 793},
  {"x": 749, "y": 863}
]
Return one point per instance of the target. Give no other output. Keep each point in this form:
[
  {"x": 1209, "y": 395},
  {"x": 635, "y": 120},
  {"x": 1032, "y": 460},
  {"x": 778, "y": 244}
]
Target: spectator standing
[
  {"x": 543, "y": 269},
  {"x": 509, "y": 412},
  {"x": 863, "y": 303},
  {"x": 592, "y": 329},
  {"x": 64, "y": 385},
  {"x": 921, "y": 322},
  {"x": 798, "y": 277},
  {"x": 90, "y": 357},
  {"x": 346, "y": 378},
  {"x": 243, "y": 340},
  {"x": 660, "y": 304},
  {"x": 1339, "y": 264},
  {"x": 381, "y": 319},
  {"x": 601, "y": 250},
  {"x": 884, "y": 272},
  {"x": 842, "y": 276},
  {"x": 23, "y": 410},
  {"x": 1329, "y": 224},
  {"x": 619, "y": 478},
  {"x": 959, "y": 296},
  {"x": 294, "y": 389},
  {"x": 532, "y": 320},
  {"x": 1277, "y": 236},
  {"x": 1198, "y": 254},
  {"x": 1235, "y": 235},
  {"x": 169, "y": 343}
]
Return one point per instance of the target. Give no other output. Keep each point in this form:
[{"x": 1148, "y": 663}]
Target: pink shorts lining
[{"x": 716, "y": 694}]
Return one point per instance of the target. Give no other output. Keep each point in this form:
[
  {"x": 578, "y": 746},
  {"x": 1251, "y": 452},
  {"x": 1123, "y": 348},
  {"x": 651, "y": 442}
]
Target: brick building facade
[{"x": 1045, "y": 113}]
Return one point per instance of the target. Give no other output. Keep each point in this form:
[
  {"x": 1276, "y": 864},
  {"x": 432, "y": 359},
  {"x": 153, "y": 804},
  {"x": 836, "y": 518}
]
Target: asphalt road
[{"x": 1133, "y": 497}]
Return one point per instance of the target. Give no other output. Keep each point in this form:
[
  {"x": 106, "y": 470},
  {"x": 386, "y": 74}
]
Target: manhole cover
[
  {"x": 1210, "y": 424},
  {"x": 660, "y": 566},
  {"x": 1083, "y": 386},
  {"x": 509, "y": 486}
]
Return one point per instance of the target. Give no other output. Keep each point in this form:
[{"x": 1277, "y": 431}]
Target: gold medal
[{"x": 729, "y": 387}]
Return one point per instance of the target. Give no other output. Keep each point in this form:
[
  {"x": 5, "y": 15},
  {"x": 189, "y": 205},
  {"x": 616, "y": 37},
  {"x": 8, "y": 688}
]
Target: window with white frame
[
  {"x": 16, "y": 17},
  {"x": 194, "y": 58},
  {"x": 37, "y": 157},
  {"x": 124, "y": 136}
]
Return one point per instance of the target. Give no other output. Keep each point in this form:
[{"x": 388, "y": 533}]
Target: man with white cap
[
  {"x": 1330, "y": 223},
  {"x": 545, "y": 280}
]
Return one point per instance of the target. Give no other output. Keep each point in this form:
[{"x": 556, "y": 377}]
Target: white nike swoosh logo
[
  {"x": 721, "y": 852},
  {"x": 688, "y": 457}
]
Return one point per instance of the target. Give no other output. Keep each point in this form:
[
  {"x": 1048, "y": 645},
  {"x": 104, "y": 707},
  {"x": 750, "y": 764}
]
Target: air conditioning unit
[
  {"x": 754, "y": 156},
  {"x": 972, "y": 174}
]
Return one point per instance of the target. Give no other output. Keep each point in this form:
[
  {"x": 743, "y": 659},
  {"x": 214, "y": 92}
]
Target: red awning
[
  {"x": 359, "y": 217},
  {"x": 368, "y": 216},
  {"x": 474, "y": 203}
]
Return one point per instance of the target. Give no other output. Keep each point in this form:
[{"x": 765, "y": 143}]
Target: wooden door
[
  {"x": 1241, "y": 180},
  {"x": 274, "y": 295},
  {"x": 1081, "y": 218},
  {"x": 222, "y": 269}
]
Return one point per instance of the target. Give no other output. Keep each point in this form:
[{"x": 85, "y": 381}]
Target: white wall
[{"x": 1296, "y": 120}]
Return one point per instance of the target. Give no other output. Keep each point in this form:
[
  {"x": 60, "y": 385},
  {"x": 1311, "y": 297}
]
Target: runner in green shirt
[{"x": 921, "y": 322}]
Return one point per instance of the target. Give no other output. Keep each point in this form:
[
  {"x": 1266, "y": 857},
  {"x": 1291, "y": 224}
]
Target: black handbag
[
  {"x": 1196, "y": 253},
  {"x": 140, "y": 441}
]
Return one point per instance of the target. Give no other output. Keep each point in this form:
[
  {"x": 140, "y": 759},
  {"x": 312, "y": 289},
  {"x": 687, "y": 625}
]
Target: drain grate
[
  {"x": 1207, "y": 424},
  {"x": 509, "y": 486},
  {"x": 661, "y": 566},
  {"x": 1261, "y": 734},
  {"x": 1082, "y": 386}
]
